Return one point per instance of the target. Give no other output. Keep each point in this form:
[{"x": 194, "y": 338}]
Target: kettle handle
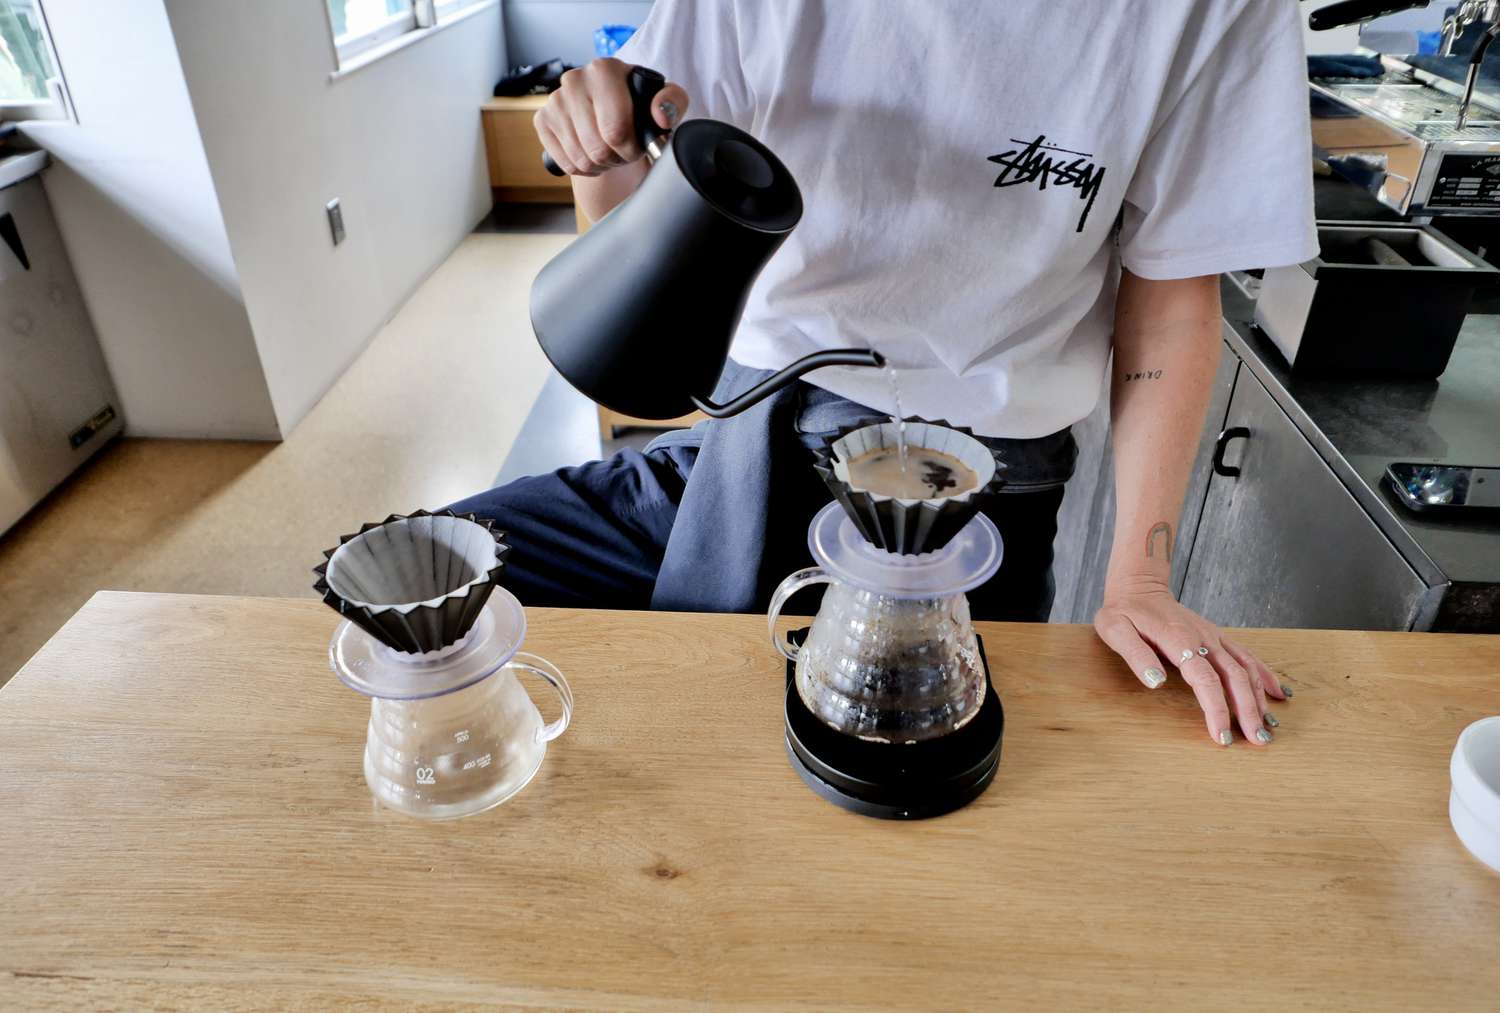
[
  {"x": 643, "y": 84},
  {"x": 773, "y": 383},
  {"x": 796, "y": 582}
]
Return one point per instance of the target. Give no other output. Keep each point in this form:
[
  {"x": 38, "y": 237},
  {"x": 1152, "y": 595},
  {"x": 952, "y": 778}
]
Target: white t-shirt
[{"x": 964, "y": 165}]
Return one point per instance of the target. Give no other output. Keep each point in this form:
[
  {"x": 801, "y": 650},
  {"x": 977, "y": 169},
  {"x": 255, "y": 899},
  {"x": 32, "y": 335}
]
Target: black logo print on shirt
[{"x": 1043, "y": 164}]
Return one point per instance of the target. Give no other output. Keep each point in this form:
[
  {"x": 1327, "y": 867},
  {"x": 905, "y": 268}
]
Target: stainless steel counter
[
  {"x": 1358, "y": 427},
  {"x": 1304, "y": 534}
]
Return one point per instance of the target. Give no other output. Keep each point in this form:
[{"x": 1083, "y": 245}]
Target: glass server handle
[
  {"x": 548, "y": 673},
  {"x": 796, "y": 582}
]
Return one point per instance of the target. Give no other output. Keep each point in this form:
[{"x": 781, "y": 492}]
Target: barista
[{"x": 1012, "y": 202}]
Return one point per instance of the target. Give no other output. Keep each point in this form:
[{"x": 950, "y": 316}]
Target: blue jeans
[{"x": 712, "y": 518}]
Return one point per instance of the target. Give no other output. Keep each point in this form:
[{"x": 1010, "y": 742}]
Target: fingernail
[
  {"x": 669, "y": 110},
  {"x": 1226, "y": 738},
  {"x": 1286, "y": 691},
  {"x": 1271, "y": 720},
  {"x": 1155, "y": 678},
  {"x": 1262, "y": 736}
]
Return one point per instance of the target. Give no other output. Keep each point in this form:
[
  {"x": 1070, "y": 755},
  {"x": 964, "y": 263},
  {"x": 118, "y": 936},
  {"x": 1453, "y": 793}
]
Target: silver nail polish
[
  {"x": 1262, "y": 736},
  {"x": 1155, "y": 678},
  {"x": 1226, "y": 737},
  {"x": 1271, "y": 720},
  {"x": 669, "y": 110},
  {"x": 1286, "y": 691}
]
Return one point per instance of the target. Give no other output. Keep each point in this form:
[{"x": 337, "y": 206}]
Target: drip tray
[{"x": 896, "y": 782}]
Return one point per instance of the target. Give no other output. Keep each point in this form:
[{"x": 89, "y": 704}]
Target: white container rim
[{"x": 1480, "y": 797}]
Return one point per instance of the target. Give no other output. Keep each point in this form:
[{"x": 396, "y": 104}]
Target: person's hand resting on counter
[{"x": 1167, "y": 348}]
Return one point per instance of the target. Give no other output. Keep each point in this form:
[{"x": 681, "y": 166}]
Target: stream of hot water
[{"x": 899, "y": 417}]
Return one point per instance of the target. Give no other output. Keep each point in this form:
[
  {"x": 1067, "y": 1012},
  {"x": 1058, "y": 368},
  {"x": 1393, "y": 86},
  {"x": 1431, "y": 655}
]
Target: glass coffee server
[{"x": 890, "y": 710}]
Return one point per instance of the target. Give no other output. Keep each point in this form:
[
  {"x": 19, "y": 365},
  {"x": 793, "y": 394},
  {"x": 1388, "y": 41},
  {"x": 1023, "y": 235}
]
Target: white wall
[
  {"x": 1335, "y": 40},
  {"x": 537, "y": 30},
  {"x": 1394, "y": 33},
  {"x": 398, "y": 142},
  {"x": 133, "y": 197},
  {"x": 1397, "y": 33}
]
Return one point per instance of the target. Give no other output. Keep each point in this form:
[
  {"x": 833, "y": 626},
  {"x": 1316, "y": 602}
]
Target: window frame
[
  {"x": 396, "y": 25},
  {"x": 56, "y": 105},
  {"x": 447, "y": 8},
  {"x": 350, "y": 52}
]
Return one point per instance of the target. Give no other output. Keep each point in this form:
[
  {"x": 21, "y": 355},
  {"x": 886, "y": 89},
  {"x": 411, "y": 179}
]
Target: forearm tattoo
[
  {"x": 1164, "y": 529},
  {"x": 1145, "y": 374}
]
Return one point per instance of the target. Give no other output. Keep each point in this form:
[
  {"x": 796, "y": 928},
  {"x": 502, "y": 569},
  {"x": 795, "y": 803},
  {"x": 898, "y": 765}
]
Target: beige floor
[{"x": 425, "y": 416}]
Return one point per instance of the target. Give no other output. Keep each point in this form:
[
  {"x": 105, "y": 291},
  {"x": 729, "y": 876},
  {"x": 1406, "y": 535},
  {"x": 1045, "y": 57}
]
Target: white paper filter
[
  {"x": 885, "y": 435},
  {"x": 908, "y": 526}
]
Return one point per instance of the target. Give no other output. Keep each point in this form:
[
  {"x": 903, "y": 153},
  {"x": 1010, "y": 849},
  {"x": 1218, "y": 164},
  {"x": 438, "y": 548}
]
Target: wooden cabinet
[{"x": 515, "y": 155}]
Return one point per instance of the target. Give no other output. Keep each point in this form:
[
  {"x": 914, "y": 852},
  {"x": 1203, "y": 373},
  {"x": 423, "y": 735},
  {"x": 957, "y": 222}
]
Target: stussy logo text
[{"x": 1042, "y": 163}]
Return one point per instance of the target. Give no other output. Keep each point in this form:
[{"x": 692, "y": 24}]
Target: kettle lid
[{"x": 737, "y": 175}]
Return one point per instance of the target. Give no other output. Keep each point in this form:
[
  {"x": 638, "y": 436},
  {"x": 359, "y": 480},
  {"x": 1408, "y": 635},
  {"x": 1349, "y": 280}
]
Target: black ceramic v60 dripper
[{"x": 639, "y": 312}]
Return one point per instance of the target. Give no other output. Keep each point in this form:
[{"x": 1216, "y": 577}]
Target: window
[
  {"x": 30, "y": 83},
  {"x": 360, "y": 26}
]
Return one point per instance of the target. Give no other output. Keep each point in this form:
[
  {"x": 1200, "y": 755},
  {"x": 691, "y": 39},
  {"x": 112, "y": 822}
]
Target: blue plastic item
[
  {"x": 609, "y": 38},
  {"x": 1429, "y": 42}
]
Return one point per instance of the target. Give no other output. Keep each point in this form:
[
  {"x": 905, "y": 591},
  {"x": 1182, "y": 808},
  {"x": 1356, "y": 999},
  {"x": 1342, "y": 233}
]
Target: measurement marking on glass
[
  {"x": 462, "y": 736},
  {"x": 483, "y": 761},
  {"x": 424, "y": 776}
]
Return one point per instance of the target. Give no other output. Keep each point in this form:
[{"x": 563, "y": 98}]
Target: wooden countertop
[
  {"x": 184, "y": 823},
  {"x": 511, "y": 103}
]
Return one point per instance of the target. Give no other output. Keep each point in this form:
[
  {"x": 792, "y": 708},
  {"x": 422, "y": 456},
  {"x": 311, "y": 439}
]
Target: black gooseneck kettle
[{"x": 639, "y": 312}]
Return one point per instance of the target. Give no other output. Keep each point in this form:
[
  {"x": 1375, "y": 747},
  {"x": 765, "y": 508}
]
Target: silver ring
[
  {"x": 1187, "y": 656},
  {"x": 1203, "y": 650}
]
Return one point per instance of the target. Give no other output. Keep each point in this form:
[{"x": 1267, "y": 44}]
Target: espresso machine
[
  {"x": 1422, "y": 144},
  {"x": 1395, "y": 277}
]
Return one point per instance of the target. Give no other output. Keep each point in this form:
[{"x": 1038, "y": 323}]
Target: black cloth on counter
[{"x": 1324, "y": 65}]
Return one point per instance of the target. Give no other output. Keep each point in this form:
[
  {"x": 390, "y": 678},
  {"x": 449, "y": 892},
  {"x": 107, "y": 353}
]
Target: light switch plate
[{"x": 336, "y": 221}]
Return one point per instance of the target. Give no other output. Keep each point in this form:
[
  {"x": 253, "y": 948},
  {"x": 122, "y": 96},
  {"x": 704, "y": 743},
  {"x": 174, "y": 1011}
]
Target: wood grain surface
[
  {"x": 514, "y": 153},
  {"x": 184, "y": 825}
]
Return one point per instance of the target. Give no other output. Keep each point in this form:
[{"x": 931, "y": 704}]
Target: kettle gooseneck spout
[{"x": 773, "y": 383}]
